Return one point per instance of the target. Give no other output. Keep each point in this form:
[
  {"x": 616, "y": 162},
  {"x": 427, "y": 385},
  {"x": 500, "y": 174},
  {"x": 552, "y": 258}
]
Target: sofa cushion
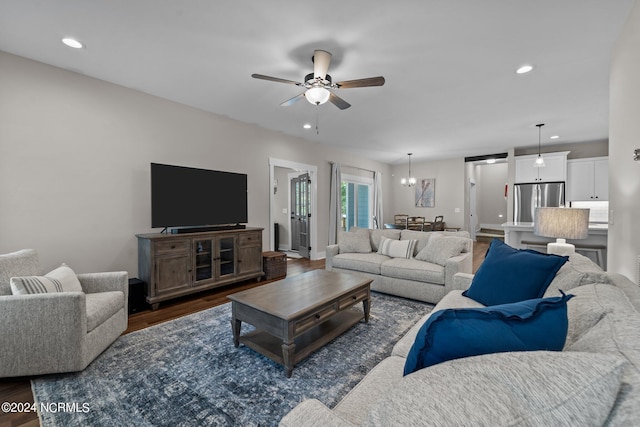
[
  {"x": 376, "y": 234},
  {"x": 462, "y": 233},
  {"x": 397, "y": 248},
  {"x": 412, "y": 269},
  {"x": 368, "y": 263},
  {"x": 453, "y": 299},
  {"x": 510, "y": 275},
  {"x": 524, "y": 388},
  {"x": 421, "y": 236},
  {"x": 62, "y": 279},
  {"x": 101, "y": 306},
  {"x": 439, "y": 249},
  {"x": 589, "y": 305},
  {"x": 386, "y": 375},
  {"x": 539, "y": 324},
  {"x": 356, "y": 241},
  {"x": 617, "y": 334},
  {"x": 20, "y": 263},
  {"x": 578, "y": 271}
]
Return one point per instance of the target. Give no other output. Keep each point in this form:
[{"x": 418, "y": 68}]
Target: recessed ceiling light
[
  {"x": 307, "y": 126},
  {"x": 72, "y": 43},
  {"x": 554, "y": 137},
  {"x": 524, "y": 69}
]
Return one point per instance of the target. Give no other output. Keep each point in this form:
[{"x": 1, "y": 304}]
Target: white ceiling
[{"x": 451, "y": 88}]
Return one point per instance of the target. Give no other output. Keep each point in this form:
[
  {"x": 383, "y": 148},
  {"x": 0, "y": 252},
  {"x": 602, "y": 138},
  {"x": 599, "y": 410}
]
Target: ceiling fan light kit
[{"x": 319, "y": 85}]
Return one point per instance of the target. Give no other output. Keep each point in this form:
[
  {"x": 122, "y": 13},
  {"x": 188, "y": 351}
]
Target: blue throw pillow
[
  {"x": 537, "y": 324},
  {"x": 510, "y": 275}
]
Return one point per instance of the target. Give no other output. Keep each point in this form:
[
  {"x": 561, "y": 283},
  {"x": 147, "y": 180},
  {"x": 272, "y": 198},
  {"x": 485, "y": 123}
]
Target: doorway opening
[{"x": 293, "y": 204}]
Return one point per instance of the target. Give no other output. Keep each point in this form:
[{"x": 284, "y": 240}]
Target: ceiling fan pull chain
[{"x": 317, "y": 128}]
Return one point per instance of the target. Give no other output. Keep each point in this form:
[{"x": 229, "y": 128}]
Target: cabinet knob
[{"x": 596, "y": 197}]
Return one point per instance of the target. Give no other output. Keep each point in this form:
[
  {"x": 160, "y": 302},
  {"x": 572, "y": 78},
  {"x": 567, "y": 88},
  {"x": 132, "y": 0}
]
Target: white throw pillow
[
  {"x": 396, "y": 248},
  {"x": 440, "y": 248},
  {"x": 62, "y": 279}
]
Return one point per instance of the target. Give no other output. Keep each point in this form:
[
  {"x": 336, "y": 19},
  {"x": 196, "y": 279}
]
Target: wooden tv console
[{"x": 174, "y": 265}]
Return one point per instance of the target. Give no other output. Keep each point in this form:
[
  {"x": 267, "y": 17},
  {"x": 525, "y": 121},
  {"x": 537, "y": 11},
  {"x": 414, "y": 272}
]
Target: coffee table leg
[
  {"x": 235, "y": 326},
  {"x": 288, "y": 352},
  {"x": 366, "y": 303}
]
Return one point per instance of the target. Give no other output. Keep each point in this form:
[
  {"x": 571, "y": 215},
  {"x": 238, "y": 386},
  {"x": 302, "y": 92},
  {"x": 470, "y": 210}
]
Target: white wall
[
  {"x": 624, "y": 137},
  {"x": 450, "y": 191},
  {"x": 75, "y": 154}
]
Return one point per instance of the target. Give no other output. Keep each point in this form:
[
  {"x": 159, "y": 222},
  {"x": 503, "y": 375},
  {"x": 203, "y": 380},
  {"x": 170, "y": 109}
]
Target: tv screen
[{"x": 182, "y": 196}]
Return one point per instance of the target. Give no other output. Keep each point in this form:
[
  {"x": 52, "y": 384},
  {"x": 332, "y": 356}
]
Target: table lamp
[{"x": 562, "y": 224}]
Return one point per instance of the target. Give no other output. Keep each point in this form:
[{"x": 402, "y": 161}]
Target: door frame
[{"x": 314, "y": 254}]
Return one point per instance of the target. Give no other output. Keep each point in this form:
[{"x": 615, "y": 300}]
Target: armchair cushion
[
  {"x": 62, "y": 279},
  {"x": 101, "y": 306}
]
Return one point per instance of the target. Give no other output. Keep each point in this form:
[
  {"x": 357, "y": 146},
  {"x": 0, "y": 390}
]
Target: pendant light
[
  {"x": 411, "y": 181},
  {"x": 539, "y": 163}
]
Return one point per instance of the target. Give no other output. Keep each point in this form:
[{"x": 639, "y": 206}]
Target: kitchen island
[{"x": 515, "y": 233}]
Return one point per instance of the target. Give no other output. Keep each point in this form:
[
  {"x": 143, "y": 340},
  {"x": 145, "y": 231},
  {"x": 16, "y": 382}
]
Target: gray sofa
[
  {"x": 48, "y": 333},
  {"x": 594, "y": 381},
  {"x": 409, "y": 278}
]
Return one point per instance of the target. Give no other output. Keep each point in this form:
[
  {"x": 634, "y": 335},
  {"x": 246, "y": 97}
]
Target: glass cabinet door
[
  {"x": 226, "y": 255},
  {"x": 203, "y": 260}
]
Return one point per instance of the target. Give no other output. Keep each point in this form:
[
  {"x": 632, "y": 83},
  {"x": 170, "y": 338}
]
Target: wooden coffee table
[{"x": 297, "y": 315}]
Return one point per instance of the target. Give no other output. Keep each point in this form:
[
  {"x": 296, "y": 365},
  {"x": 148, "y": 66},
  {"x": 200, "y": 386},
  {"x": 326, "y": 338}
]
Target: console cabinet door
[
  {"x": 173, "y": 272},
  {"x": 249, "y": 259},
  {"x": 249, "y": 253}
]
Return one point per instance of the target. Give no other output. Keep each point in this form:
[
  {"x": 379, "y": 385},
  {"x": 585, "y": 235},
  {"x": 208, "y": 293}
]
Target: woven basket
[{"x": 274, "y": 264}]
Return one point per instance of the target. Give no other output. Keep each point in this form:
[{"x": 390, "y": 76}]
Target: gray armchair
[{"x": 57, "y": 332}]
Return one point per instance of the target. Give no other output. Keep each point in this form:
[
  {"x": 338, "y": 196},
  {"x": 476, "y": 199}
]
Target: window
[{"x": 357, "y": 198}]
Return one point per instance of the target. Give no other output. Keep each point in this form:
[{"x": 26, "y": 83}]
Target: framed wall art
[{"x": 426, "y": 193}]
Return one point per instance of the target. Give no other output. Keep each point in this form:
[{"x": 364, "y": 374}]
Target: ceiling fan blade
[
  {"x": 274, "y": 79},
  {"x": 371, "y": 81},
  {"x": 292, "y": 100},
  {"x": 338, "y": 102},
  {"x": 321, "y": 61}
]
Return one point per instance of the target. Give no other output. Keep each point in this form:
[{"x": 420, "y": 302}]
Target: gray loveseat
[
  {"x": 406, "y": 277},
  {"x": 46, "y": 333},
  {"x": 594, "y": 381}
]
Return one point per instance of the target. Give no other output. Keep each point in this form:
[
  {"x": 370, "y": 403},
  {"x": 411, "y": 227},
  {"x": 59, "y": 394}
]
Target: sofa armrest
[
  {"x": 462, "y": 281},
  {"x": 312, "y": 413},
  {"x": 50, "y": 325},
  {"x": 462, "y": 263},
  {"x": 330, "y": 252}
]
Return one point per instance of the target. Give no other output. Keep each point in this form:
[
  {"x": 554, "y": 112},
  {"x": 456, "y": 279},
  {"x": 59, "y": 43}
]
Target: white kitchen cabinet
[
  {"x": 555, "y": 168},
  {"x": 588, "y": 179}
]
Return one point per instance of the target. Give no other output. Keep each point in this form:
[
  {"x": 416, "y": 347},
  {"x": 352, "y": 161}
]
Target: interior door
[{"x": 300, "y": 214}]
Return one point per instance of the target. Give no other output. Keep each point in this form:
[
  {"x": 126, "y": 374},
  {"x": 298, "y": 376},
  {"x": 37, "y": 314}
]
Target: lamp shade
[
  {"x": 565, "y": 223},
  {"x": 317, "y": 95}
]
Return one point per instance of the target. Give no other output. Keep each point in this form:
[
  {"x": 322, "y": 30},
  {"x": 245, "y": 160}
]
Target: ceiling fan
[{"x": 318, "y": 83}]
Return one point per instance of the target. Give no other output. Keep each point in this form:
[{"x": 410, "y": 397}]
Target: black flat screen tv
[{"x": 191, "y": 197}]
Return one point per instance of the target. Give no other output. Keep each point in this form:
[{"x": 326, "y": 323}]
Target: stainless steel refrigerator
[{"x": 527, "y": 197}]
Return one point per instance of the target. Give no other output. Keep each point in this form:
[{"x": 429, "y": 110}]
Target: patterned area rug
[{"x": 187, "y": 372}]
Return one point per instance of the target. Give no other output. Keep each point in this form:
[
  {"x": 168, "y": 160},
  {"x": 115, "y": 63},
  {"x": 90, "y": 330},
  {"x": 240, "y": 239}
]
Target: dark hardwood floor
[{"x": 19, "y": 389}]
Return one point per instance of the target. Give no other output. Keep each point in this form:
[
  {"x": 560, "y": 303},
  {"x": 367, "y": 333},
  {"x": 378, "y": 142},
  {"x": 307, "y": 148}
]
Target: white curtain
[
  {"x": 378, "y": 216},
  {"x": 335, "y": 210}
]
